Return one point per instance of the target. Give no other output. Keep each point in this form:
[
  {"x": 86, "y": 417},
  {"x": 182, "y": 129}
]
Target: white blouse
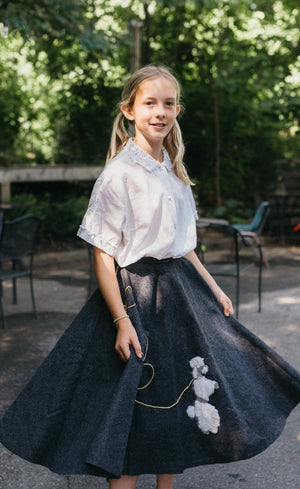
[{"x": 139, "y": 208}]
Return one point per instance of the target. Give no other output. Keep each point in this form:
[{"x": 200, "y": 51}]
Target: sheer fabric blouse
[{"x": 139, "y": 208}]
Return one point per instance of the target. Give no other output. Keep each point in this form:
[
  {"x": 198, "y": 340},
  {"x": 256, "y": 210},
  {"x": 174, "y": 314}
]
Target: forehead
[{"x": 157, "y": 87}]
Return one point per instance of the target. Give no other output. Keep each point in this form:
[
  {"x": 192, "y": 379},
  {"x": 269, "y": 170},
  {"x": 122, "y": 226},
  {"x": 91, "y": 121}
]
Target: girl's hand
[
  {"x": 125, "y": 338},
  {"x": 226, "y": 303}
]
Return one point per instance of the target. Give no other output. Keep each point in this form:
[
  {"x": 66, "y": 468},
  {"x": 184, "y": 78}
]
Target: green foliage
[
  {"x": 83, "y": 137},
  {"x": 238, "y": 71},
  {"x": 11, "y": 101},
  {"x": 234, "y": 211},
  {"x": 68, "y": 20},
  {"x": 60, "y": 218},
  {"x": 64, "y": 63}
]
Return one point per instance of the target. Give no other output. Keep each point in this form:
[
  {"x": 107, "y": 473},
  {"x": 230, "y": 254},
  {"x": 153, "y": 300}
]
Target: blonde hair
[{"x": 120, "y": 134}]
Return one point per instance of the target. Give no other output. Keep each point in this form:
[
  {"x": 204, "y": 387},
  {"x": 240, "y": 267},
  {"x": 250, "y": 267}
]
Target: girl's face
[{"x": 153, "y": 112}]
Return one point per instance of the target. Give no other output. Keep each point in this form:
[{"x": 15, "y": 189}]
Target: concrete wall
[{"x": 44, "y": 174}]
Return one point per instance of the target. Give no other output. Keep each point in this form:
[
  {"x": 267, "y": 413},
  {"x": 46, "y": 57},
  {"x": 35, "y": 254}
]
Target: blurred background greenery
[{"x": 63, "y": 64}]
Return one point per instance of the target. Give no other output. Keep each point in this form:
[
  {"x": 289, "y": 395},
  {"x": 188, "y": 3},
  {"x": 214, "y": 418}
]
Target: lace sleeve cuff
[{"x": 95, "y": 240}]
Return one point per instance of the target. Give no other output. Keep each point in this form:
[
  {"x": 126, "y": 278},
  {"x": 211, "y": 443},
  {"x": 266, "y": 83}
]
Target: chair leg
[
  {"x": 32, "y": 296},
  {"x": 254, "y": 238},
  {"x": 261, "y": 253},
  {"x": 260, "y": 275},
  {"x": 265, "y": 259},
  {"x": 2, "y": 313},
  {"x": 14, "y": 291},
  {"x": 14, "y": 281},
  {"x": 237, "y": 295}
]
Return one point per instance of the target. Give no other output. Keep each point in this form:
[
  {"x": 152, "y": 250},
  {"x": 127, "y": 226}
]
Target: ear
[
  {"x": 178, "y": 109},
  {"x": 127, "y": 111}
]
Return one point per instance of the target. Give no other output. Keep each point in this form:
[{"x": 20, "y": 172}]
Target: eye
[
  {"x": 149, "y": 102},
  {"x": 170, "y": 104}
]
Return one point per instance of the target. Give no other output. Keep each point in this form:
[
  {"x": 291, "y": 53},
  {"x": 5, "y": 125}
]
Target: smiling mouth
[{"x": 159, "y": 125}]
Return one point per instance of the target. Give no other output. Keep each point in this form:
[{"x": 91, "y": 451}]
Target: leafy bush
[
  {"x": 232, "y": 210},
  {"x": 60, "y": 219}
]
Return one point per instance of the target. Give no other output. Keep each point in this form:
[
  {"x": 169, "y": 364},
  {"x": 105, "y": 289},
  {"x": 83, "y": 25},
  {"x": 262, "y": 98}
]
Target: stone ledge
[{"x": 44, "y": 173}]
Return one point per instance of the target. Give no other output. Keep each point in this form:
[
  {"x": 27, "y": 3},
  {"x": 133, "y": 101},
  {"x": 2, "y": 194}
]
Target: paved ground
[{"x": 61, "y": 287}]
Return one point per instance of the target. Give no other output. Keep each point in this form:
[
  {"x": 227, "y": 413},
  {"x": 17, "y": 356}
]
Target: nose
[{"x": 160, "y": 110}]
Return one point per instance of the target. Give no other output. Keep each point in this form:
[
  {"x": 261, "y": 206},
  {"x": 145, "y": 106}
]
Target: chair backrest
[
  {"x": 18, "y": 238},
  {"x": 260, "y": 217}
]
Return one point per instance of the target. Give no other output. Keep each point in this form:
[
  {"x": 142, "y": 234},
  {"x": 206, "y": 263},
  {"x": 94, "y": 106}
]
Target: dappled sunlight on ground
[
  {"x": 7, "y": 340},
  {"x": 288, "y": 300},
  {"x": 60, "y": 293},
  {"x": 293, "y": 328},
  {"x": 7, "y": 285},
  {"x": 50, "y": 295}
]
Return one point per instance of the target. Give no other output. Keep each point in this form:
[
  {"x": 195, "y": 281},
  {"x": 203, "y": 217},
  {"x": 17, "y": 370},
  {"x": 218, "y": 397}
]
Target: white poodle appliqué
[{"x": 207, "y": 416}]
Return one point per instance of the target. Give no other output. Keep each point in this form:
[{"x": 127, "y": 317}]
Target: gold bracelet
[{"x": 121, "y": 317}]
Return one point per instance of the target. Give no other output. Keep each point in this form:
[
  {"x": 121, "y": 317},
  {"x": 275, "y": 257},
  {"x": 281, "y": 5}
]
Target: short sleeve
[{"x": 103, "y": 221}]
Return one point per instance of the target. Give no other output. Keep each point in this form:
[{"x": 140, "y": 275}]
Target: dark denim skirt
[{"x": 206, "y": 391}]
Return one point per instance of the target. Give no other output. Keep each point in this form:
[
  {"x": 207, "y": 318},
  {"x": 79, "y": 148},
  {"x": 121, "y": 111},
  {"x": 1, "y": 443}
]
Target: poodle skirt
[{"x": 206, "y": 391}]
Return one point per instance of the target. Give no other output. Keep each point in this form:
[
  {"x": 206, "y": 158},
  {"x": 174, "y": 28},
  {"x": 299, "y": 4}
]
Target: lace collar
[{"x": 141, "y": 157}]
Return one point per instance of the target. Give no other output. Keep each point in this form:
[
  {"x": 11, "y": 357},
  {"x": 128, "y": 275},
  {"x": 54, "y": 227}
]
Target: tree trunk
[
  {"x": 217, "y": 112},
  {"x": 135, "y": 26},
  {"x": 148, "y": 53},
  {"x": 218, "y": 145}
]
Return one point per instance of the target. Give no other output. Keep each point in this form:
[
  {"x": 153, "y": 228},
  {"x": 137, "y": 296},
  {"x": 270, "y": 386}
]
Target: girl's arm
[
  {"x": 224, "y": 300},
  {"x": 108, "y": 284}
]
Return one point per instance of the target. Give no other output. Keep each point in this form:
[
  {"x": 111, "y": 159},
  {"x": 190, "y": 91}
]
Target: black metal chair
[
  {"x": 17, "y": 247},
  {"x": 218, "y": 249},
  {"x": 251, "y": 232}
]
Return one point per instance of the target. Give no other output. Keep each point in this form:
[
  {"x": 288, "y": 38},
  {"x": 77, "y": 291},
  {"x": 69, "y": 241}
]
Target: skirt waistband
[
  {"x": 149, "y": 260},
  {"x": 155, "y": 261}
]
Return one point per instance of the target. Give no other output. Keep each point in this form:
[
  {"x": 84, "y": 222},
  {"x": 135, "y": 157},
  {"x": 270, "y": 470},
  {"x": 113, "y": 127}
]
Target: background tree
[
  {"x": 236, "y": 67},
  {"x": 65, "y": 61}
]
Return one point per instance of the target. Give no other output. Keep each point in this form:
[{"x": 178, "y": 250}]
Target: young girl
[{"x": 154, "y": 375}]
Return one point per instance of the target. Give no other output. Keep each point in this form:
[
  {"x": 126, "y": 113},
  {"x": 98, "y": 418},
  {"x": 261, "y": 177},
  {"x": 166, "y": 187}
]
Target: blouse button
[{"x": 170, "y": 198}]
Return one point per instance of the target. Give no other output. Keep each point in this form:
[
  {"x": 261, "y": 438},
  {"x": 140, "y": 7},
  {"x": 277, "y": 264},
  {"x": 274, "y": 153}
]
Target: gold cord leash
[
  {"x": 152, "y": 377},
  {"x": 172, "y": 405},
  {"x": 149, "y": 382},
  {"x": 146, "y": 364},
  {"x": 126, "y": 306}
]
